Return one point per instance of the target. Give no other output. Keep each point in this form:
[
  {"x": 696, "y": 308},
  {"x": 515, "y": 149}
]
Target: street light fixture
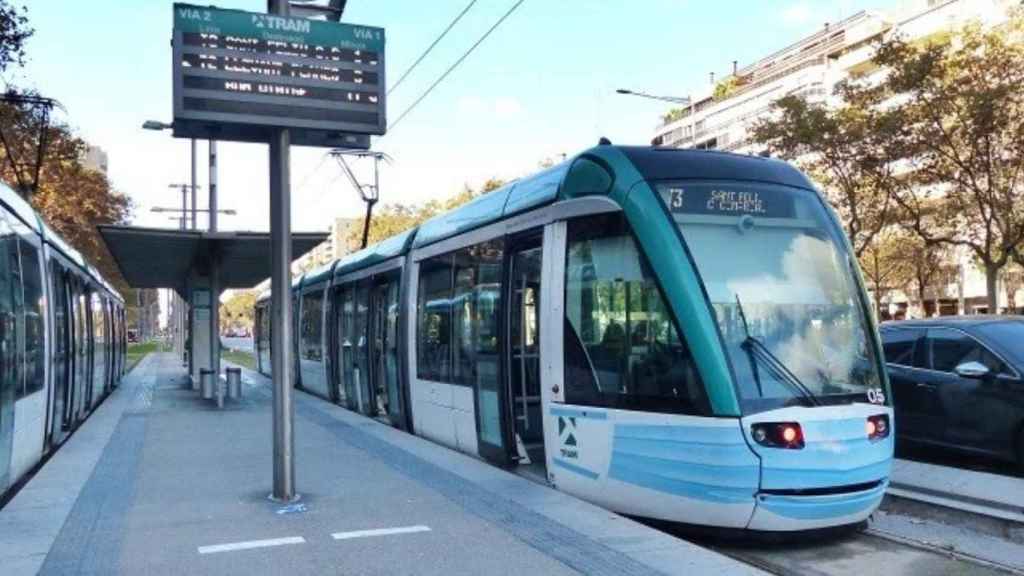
[
  {"x": 684, "y": 100},
  {"x": 156, "y": 125}
]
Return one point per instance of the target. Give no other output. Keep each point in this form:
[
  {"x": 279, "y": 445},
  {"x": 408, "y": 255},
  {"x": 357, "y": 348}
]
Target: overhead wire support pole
[
  {"x": 369, "y": 192},
  {"x": 280, "y": 302}
]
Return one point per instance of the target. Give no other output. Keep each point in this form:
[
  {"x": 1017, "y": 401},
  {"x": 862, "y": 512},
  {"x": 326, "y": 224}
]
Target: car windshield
[
  {"x": 1007, "y": 338},
  {"x": 783, "y": 292}
]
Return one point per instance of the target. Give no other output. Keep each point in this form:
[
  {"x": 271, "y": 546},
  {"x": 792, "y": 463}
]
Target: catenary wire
[
  {"x": 431, "y": 47},
  {"x": 454, "y": 65}
]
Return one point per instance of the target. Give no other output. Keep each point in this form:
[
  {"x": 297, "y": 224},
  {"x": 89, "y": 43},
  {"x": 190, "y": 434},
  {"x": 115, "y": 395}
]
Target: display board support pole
[
  {"x": 194, "y": 227},
  {"x": 280, "y": 302},
  {"x": 214, "y": 272}
]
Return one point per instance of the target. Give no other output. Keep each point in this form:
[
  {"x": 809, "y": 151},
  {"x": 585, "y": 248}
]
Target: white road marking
[
  {"x": 251, "y": 544},
  {"x": 379, "y": 532}
]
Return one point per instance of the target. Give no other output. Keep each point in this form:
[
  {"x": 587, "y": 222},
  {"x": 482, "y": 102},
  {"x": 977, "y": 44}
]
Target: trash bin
[
  {"x": 206, "y": 383},
  {"x": 234, "y": 383}
]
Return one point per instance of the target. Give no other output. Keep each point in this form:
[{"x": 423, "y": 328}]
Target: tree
[
  {"x": 14, "y": 32},
  {"x": 922, "y": 268},
  {"x": 883, "y": 265},
  {"x": 839, "y": 149},
  {"x": 238, "y": 310},
  {"x": 956, "y": 117},
  {"x": 72, "y": 198},
  {"x": 1013, "y": 282},
  {"x": 393, "y": 219}
]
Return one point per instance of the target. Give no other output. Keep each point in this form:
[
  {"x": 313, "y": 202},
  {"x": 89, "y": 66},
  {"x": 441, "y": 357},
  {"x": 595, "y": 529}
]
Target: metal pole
[
  {"x": 280, "y": 302},
  {"x": 213, "y": 185},
  {"x": 214, "y": 272},
  {"x": 194, "y": 184},
  {"x": 184, "y": 206}
]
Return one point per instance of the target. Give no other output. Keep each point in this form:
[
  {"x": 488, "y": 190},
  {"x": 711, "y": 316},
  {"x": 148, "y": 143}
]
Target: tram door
[
  {"x": 523, "y": 351},
  {"x": 384, "y": 370}
]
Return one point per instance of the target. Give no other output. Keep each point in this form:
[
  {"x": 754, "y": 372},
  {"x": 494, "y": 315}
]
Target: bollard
[
  {"x": 220, "y": 390},
  {"x": 206, "y": 382},
  {"x": 234, "y": 383}
]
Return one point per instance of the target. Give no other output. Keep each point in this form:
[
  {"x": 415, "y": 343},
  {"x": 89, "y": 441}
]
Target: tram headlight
[
  {"x": 877, "y": 427},
  {"x": 778, "y": 434}
]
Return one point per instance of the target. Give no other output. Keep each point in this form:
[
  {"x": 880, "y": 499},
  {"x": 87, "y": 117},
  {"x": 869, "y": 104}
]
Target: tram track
[
  {"x": 860, "y": 553},
  {"x": 849, "y": 553}
]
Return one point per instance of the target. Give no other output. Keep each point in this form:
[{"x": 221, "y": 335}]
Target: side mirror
[{"x": 975, "y": 370}]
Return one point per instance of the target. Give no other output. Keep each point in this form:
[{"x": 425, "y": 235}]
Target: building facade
[{"x": 722, "y": 114}]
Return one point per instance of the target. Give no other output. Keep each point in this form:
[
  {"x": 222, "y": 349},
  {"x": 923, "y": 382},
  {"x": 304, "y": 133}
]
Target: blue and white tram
[
  {"x": 674, "y": 334},
  {"x": 62, "y": 339}
]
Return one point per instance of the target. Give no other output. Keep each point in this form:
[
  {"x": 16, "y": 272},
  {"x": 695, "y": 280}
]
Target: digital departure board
[{"x": 238, "y": 74}]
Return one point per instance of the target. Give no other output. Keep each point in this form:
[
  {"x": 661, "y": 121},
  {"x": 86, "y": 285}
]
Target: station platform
[{"x": 159, "y": 481}]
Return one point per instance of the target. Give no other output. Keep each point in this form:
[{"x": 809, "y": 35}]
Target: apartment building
[{"x": 722, "y": 113}]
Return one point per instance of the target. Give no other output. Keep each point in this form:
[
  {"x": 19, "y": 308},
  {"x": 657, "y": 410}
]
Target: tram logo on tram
[{"x": 567, "y": 436}]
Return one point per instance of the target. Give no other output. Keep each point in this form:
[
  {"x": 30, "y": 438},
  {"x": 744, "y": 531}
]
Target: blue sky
[{"x": 543, "y": 84}]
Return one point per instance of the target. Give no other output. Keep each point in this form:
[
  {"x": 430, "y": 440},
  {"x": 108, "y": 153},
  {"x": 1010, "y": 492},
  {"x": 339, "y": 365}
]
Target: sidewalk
[{"x": 181, "y": 488}]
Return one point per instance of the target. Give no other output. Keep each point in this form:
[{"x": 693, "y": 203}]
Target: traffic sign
[{"x": 238, "y": 75}]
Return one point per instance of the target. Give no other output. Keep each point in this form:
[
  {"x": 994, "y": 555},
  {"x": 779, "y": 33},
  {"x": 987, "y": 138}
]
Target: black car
[{"x": 957, "y": 382}]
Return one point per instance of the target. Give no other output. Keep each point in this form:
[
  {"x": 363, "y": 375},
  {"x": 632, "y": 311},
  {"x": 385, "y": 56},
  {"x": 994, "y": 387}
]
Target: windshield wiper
[{"x": 757, "y": 350}]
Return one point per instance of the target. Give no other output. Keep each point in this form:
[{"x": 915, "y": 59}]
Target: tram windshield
[{"x": 781, "y": 284}]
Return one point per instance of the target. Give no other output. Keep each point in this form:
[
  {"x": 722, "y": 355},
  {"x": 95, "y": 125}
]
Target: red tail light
[
  {"x": 877, "y": 427},
  {"x": 778, "y": 435}
]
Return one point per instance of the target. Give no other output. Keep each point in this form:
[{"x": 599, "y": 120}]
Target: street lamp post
[{"x": 685, "y": 100}]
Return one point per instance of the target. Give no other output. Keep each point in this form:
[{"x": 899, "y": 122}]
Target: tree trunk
[{"x": 991, "y": 279}]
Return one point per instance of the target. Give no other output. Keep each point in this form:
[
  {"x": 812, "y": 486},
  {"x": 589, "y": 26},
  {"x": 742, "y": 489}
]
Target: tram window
[
  {"x": 311, "y": 328},
  {"x": 433, "y": 350},
  {"x": 475, "y": 313},
  {"x": 16, "y": 326},
  {"x": 622, "y": 347},
  {"x": 35, "y": 358},
  {"x": 8, "y": 286}
]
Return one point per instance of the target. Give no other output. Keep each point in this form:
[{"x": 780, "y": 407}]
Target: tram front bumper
[{"x": 780, "y": 512}]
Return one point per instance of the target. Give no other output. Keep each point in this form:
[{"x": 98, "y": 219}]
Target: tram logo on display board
[{"x": 567, "y": 436}]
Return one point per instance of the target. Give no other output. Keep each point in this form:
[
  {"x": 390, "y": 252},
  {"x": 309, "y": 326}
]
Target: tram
[
  {"x": 680, "y": 335},
  {"x": 62, "y": 339}
]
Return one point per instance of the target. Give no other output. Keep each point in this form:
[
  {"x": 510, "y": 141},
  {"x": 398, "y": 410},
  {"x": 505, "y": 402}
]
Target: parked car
[{"x": 956, "y": 383}]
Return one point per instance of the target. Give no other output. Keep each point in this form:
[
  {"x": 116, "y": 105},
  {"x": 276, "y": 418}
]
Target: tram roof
[
  {"x": 19, "y": 206},
  {"x": 546, "y": 186},
  {"x": 517, "y": 196},
  {"x": 656, "y": 163},
  {"x": 387, "y": 249}
]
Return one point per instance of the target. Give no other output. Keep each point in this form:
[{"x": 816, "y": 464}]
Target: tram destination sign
[{"x": 238, "y": 74}]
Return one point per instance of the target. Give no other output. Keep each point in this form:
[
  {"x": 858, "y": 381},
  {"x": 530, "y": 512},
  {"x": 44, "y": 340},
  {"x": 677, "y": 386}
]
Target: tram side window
[
  {"x": 312, "y": 308},
  {"x": 9, "y": 369},
  {"x": 35, "y": 358},
  {"x": 622, "y": 347},
  {"x": 475, "y": 314},
  {"x": 433, "y": 326}
]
